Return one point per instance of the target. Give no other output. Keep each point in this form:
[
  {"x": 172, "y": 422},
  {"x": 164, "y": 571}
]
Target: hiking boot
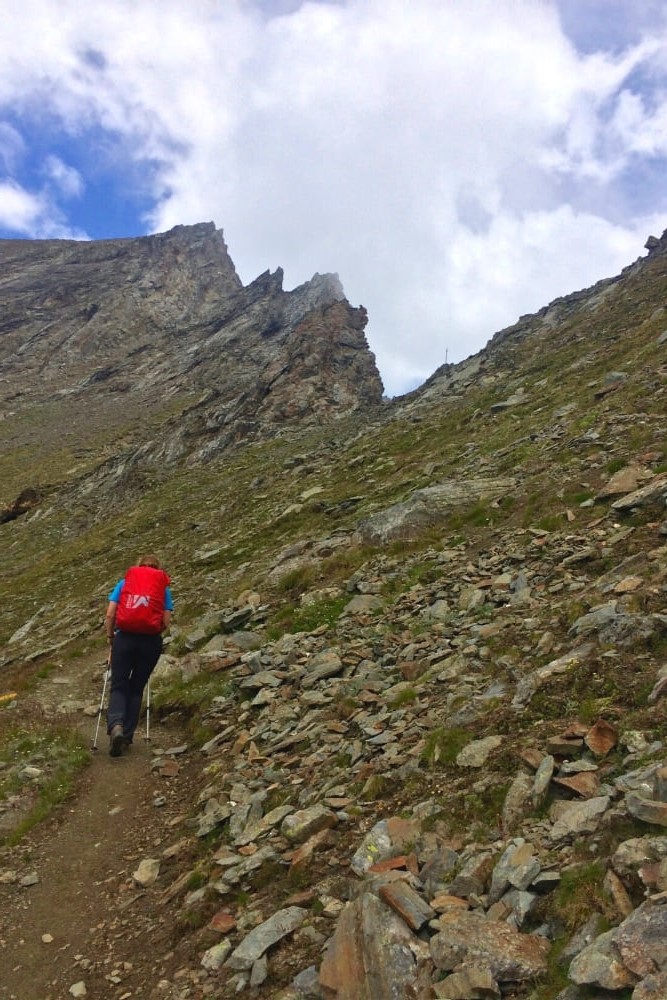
[{"x": 116, "y": 741}]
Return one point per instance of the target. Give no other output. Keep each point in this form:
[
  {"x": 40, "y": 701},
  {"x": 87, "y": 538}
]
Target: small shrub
[
  {"x": 479, "y": 515},
  {"x": 375, "y": 788},
  {"x": 404, "y": 697},
  {"x": 588, "y": 710},
  {"x": 307, "y": 618},
  {"x": 271, "y": 874},
  {"x": 556, "y": 978},
  {"x": 345, "y": 706},
  {"x": 297, "y": 581},
  {"x": 550, "y": 522},
  {"x": 443, "y": 746},
  {"x": 339, "y": 566},
  {"x": 190, "y": 695},
  {"x": 277, "y": 797},
  {"x": 197, "y": 880},
  {"x": 579, "y": 498},
  {"x": 484, "y": 808},
  {"x": 579, "y": 893}
]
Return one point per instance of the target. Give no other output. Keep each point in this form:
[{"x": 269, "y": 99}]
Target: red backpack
[{"x": 142, "y": 600}]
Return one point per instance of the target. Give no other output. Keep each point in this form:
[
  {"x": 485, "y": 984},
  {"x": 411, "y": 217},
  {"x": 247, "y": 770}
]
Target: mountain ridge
[{"x": 144, "y": 323}]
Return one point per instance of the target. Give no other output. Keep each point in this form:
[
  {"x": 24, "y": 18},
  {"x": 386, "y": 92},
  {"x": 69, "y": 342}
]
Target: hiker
[{"x": 139, "y": 611}]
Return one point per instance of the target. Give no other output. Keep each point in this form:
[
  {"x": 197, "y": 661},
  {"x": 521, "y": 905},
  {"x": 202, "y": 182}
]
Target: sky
[{"x": 458, "y": 163}]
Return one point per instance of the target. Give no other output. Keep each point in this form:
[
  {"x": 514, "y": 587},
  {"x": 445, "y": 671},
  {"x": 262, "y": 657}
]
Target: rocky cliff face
[
  {"x": 103, "y": 334},
  {"x": 73, "y": 310}
]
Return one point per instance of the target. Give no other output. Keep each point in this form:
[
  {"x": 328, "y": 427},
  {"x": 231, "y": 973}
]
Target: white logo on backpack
[{"x": 137, "y": 601}]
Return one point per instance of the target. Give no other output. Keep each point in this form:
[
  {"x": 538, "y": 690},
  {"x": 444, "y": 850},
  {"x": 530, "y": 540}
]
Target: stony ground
[
  {"x": 331, "y": 780},
  {"x": 473, "y": 728}
]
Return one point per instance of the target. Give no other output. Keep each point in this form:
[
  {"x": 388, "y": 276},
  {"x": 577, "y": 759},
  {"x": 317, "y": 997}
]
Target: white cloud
[
  {"x": 66, "y": 179},
  {"x": 33, "y": 214},
  {"x": 457, "y": 164},
  {"x": 12, "y": 147},
  {"x": 19, "y": 210}
]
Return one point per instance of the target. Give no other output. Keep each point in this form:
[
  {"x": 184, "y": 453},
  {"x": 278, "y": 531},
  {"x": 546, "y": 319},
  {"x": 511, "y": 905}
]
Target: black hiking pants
[{"x": 133, "y": 659}]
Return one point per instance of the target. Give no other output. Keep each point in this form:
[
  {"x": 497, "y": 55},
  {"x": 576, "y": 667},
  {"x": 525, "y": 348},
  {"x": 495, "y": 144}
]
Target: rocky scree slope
[{"x": 421, "y": 660}]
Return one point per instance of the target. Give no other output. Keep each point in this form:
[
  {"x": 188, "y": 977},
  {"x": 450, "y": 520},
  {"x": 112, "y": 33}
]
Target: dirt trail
[{"x": 85, "y": 919}]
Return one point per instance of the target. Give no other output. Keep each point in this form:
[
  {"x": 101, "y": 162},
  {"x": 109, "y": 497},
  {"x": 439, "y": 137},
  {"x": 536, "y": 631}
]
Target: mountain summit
[{"x": 99, "y": 333}]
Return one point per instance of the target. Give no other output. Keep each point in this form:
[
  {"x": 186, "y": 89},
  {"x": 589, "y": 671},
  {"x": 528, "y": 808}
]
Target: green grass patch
[
  {"x": 190, "y": 699},
  {"x": 405, "y": 697},
  {"x": 580, "y": 893},
  {"x": 443, "y": 746},
  {"x": 417, "y": 573},
  {"x": 297, "y": 581},
  {"x": 482, "y": 810},
  {"x": 58, "y": 751},
  {"x": 197, "y": 880},
  {"x": 306, "y": 617}
]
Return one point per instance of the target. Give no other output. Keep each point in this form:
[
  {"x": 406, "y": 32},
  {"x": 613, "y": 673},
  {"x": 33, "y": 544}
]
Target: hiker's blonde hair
[{"x": 149, "y": 560}]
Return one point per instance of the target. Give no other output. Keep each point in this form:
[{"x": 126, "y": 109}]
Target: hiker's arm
[
  {"x": 167, "y": 609},
  {"x": 110, "y": 620}
]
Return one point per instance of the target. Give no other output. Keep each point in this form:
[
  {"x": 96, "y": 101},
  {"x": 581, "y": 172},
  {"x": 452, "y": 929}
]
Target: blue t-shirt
[{"x": 115, "y": 596}]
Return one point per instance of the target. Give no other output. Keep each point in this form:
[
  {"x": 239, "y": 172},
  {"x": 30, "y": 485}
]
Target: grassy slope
[{"x": 237, "y": 504}]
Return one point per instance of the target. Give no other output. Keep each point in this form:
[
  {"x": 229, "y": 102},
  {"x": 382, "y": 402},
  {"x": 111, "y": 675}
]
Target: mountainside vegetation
[{"x": 414, "y": 677}]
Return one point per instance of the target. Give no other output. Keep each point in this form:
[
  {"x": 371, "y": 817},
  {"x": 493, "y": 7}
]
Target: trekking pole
[
  {"x": 107, "y": 675},
  {"x": 148, "y": 711}
]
